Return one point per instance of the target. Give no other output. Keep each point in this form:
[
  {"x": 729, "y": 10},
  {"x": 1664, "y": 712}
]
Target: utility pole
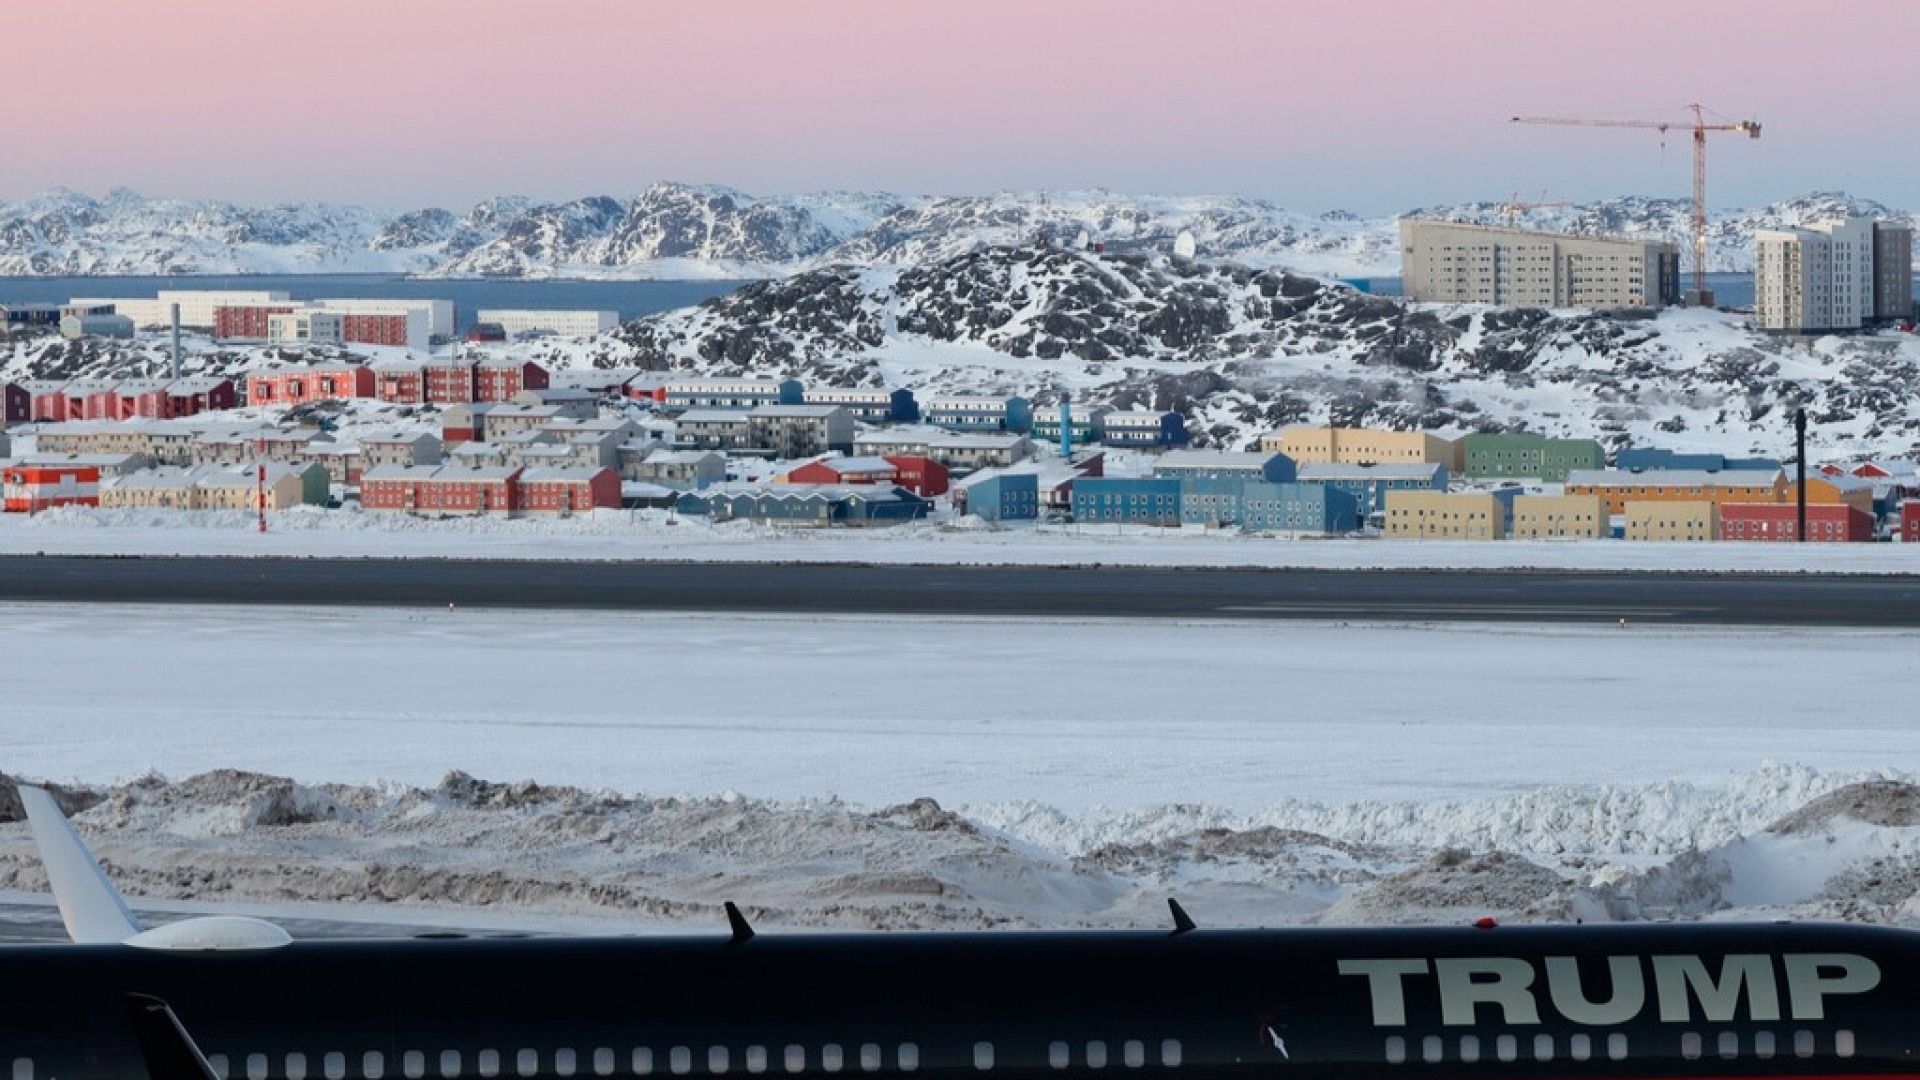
[
  {"x": 1800, "y": 474},
  {"x": 260, "y": 481}
]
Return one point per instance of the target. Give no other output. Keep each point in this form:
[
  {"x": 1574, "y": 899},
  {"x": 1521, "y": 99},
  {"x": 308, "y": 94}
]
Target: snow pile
[{"x": 557, "y": 852}]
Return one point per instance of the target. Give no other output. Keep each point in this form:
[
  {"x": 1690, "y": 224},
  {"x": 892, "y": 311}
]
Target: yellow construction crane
[{"x": 1699, "y": 126}]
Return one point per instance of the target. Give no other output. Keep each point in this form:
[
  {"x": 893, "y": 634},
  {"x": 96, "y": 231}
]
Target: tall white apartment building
[
  {"x": 1816, "y": 279},
  {"x": 1456, "y": 263}
]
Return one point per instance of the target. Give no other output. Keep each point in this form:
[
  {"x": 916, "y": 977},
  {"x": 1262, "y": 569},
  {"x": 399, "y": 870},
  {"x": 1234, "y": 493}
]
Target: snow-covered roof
[
  {"x": 850, "y": 466},
  {"x": 712, "y": 416},
  {"x": 1320, "y": 470},
  {"x": 562, "y": 473},
  {"x": 1213, "y": 459},
  {"x": 795, "y": 412},
  {"x": 680, "y": 457},
  {"x": 1700, "y": 478}
]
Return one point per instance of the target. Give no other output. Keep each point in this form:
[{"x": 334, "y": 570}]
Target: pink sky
[{"x": 1372, "y": 105}]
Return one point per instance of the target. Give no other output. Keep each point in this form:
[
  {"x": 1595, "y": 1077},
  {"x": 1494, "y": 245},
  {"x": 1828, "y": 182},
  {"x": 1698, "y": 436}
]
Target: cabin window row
[
  {"x": 1133, "y": 1054},
  {"x": 604, "y": 1061},
  {"x": 1727, "y": 1045},
  {"x": 1579, "y": 1047}
]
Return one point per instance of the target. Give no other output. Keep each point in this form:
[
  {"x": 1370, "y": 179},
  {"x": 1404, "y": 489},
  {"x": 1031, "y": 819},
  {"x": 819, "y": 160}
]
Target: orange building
[
  {"x": 1617, "y": 488},
  {"x": 1834, "y": 490}
]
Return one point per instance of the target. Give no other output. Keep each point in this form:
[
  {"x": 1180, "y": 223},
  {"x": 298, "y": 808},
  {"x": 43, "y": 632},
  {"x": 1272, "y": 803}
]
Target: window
[
  {"x": 1843, "y": 1043},
  {"x": 831, "y": 1058},
  {"x": 642, "y": 1061},
  {"x": 1096, "y": 1055},
  {"x": 1469, "y": 1048},
  {"x": 216, "y": 1064},
  {"x": 680, "y": 1060},
  {"x": 1134, "y": 1052},
  {"x": 1763, "y": 1044},
  {"x": 489, "y": 1063},
  {"x": 373, "y": 1065},
  {"x": 449, "y": 1063},
  {"x": 1396, "y": 1049},
  {"x": 717, "y": 1062},
  {"x": 869, "y": 1057},
  {"x": 527, "y": 1061},
  {"x": 22, "y": 1069},
  {"x": 1580, "y": 1047},
  {"x": 413, "y": 1064},
  {"x": 335, "y": 1066},
  {"x": 909, "y": 1057},
  {"x": 756, "y": 1059},
  {"x": 1690, "y": 1045},
  {"x": 983, "y": 1056},
  {"x": 296, "y": 1067},
  {"x": 1543, "y": 1047},
  {"x": 795, "y": 1058},
  {"x": 1803, "y": 1044},
  {"x": 256, "y": 1067},
  {"x": 1432, "y": 1048},
  {"x": 1506, "y": 1048},
  {"x": 1728, "y": 1045},
  {"x": 564, "y": 1062}
]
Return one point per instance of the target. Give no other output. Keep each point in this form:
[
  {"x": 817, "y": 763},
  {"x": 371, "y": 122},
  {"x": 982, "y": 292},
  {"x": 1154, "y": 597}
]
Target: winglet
[
  {"x": 164, "y": 1043},
  {"x": 91, "y": 907},
  {"x": 742, "y": 929},
  {"x": 1182, "y": 922}
]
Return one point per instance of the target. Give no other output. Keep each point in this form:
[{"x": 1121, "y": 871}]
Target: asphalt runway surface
[{"x": 1882, "y": 601}]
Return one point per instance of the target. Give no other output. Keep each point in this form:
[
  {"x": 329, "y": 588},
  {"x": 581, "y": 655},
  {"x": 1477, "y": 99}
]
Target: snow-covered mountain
[{"x": 692, "y": 231}]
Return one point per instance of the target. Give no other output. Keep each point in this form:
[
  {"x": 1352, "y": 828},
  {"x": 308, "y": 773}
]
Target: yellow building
[
  {"x": 1440, "y": 515},
  {"x": 1672, "y": 520},
  {"x": 1618, "y": 487},
  {"x": 1362, "y": 446},
  {"x": 1557, "y": 517}
]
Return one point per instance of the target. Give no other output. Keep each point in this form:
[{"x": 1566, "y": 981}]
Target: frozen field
[
  {"x": 919, "y": 772},
  {"x": 660, "y": 535}
]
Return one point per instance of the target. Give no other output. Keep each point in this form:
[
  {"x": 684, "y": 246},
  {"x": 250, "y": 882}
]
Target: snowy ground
[
  {"x": 958, "y": 773},
  {"x": 661, "y": 535}
]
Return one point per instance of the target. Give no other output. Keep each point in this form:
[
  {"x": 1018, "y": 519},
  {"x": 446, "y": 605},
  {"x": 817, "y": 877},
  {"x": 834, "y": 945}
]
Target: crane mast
[{"x": 1700, "y": 127}]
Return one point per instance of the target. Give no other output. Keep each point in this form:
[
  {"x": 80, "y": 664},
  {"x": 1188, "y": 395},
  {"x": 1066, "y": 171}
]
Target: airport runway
[{"x": 990, "y": 591}]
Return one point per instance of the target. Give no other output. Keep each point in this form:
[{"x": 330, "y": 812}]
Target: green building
[{"x": 1526, "y": 456}]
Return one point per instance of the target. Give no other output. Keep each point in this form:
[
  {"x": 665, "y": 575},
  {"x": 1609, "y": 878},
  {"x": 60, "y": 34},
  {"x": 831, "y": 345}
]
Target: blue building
[
  {"x": 997, "y": 495},
  {"x": 1089, "y": 425},
  {"x": 1137, "y": 500},
  {"x": 816, "y": 505},
  {"x": 962, "y": 413},
  {"x": 872, "y": 405},
  {"x": 1275, "y": 468},
  {"x": 1653, "y": 459},
  {"x": 1315, "y": 508},
  {"x": 1369, "y": 484},
  {"x": 1140, "y": 427}
]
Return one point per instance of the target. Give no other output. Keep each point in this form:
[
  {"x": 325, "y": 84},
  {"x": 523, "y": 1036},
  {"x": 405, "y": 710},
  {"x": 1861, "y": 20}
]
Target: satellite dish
[{"x": 1184, "y": 245}]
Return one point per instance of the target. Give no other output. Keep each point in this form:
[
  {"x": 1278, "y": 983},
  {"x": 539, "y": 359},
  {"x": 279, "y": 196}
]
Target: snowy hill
[{"x": 692, "y": 231}]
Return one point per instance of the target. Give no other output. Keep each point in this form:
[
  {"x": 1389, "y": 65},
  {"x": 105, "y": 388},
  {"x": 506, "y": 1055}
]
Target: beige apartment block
[
  {"x": 1673, "y": 521},
  {"x": 1361, "y": 446},
  {"x": 1560, "y": 517},
  {"x": 1457, "y": 263},
  {"x": 1440, "y": 515}
]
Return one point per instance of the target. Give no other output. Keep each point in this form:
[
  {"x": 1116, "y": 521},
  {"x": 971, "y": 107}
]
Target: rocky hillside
[
  {"x": 689, "y": 231},
  {"x": 1242, "y": 350}
]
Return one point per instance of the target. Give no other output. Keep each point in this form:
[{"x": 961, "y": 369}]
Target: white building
[
  {"x": 438, "y": 313},
  {"x": 518, "y": 321},
  {"x": 306, "y": 327},
  {"x": 1814, "y": 279},
  {"x": 196, "y": 305}
]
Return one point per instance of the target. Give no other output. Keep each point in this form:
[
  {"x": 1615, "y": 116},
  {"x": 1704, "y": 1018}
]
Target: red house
[
  {"x": 922, "y": 476},
  {"x": 1831, "y": 523},
  {"x": 844, "y": 470},
  {"x": 573, "y": 490},
  {"x": 18, "y": 404},
  {"x": 401, "y": 384},
  {"x": 442, "y": 490},
  {"x": 498, "y": 380},
  {"x": 47, "y": 400},
  {"x": 202, "y": 393},
  {"x": 1910, "y": 521},
  {"x": 246, "y": 322},
  {"x": 29, "y": 489},
  {"x": 299, "y": 385},
  {"x": 450, "y": 382}
]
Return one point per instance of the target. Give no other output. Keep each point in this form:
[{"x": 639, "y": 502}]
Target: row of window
[
  {"x": 642, "y": 1061},
  {"x": 1582, "y": 1047}
]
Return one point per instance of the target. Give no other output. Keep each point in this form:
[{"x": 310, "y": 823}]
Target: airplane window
[
  {"x": 1803, "y": 1044},
  {"x": 1058, "y": 1056},
  {"x": 489, "y": 1063},
  {"x": 564, "y": 1062},
  {"x": 335, "y": 1065},
  {"x": 1580, "y": 1047},
  {"x": 1096, "y": 1055},
  {"x": 256, "y": 1067},
  {"x": 1763, "y": 1044},
  {"x": 680, "y": 1060},
  {"x": 603, "y": 1061},
  {"x": 831, "y": 1057},
  {"x": 717, "y": 1060},
  {"x": 22, "y": 1069},
  {"x": 1506, "y": 1048},
  {"x": 983, "y": 1056},
  {"x": 796, "y": 1058},
  {"x": 1543, "y": 1047},
  {"x": 1170, "y": 1053},
  {"x": 756, "y": 1059},
  {"x": 296, "y": 1067},
  {"x": 909, "y": 1057},
  {"x": 1617, "y": 1046},
  {"x": 1134, "y": 1052},
  {"x": 373, "y": 1065},
  {"x": 449, "y": 1063},
  {"x": 527, "y": 1061},
  {"x": 1432, "y": 1048},
  {"x": 642, "y": 1061},
  {"x": 1729, "y": 1045},
  {"x": 869, "y": 1057},
  {"x": 413, "y": 1064},
  {"x": 1396, "y": 1049},
  {"x": 1690, "y": 1045},
  {"x": 1469, "y": 1048},
  {"x": 1843, "y": 1043},
  {"x": 215, "y": 1062}
]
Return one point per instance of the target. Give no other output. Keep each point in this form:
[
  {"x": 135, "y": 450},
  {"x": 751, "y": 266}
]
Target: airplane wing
[
  {"x": 164, "y": 1043},
  {"x": 91, "y": 907}
]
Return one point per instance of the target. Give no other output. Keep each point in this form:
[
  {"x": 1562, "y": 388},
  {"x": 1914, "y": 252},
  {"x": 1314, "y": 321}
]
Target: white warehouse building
[
  {"x": 196, "y": 305},
  {"x": 577, "y": 323}
]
